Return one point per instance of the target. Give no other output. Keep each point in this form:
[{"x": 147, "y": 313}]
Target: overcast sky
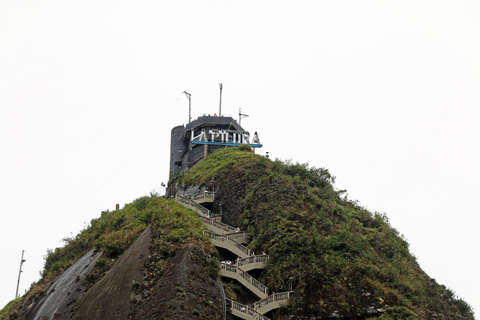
[{"x": 384, "y": 94}]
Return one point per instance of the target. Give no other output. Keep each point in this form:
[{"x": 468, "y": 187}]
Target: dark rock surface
[
  {"x": 185, "y": 291},
  {"x": 61, "y": 295},
  {"x": 109, "y": 298}
]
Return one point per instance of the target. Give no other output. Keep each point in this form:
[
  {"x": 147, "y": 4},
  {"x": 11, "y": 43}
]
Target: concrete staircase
[
  {"x": 249, "y": 282},
  {"x": 232, "y": 239},
  {"x": 255, "y": 262},
  {"x": 244, "y": 312},
  {"x": 230, "y": 243}
]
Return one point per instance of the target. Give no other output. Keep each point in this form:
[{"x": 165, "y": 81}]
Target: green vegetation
[
  {"x": 338, "y": 256},
  {"x": 113, "y": 232},
  {"x": 174, "y": 226},
  {"x": 8, "y": 307},
  {"x": 219, "y": 162},
  {"x": 398, "y": 313}
]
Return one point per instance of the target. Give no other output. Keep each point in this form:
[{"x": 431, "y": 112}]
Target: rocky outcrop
[
  {"x": 61, "y": 295},
  {"x": 109, "y": 298},
  {"x": 185, "y": 291}
]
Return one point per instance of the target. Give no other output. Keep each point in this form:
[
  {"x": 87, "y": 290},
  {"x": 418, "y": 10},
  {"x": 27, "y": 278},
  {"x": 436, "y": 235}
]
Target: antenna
[
  {"x": 220, "y": 108},
  {"x": 189, "y": 96},
  {"x": 240, "y": 116}
]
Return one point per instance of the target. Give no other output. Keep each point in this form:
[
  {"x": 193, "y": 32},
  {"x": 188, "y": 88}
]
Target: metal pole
[
  {"x": 19, "y": 273},
  {"x": 220, "y": 109},
  {"x": 240, "y": 116},
  {"x": 189, "y": 96}
]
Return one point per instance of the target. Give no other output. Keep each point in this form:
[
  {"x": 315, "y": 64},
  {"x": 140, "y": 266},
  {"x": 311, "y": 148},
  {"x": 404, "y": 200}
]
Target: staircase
[
  {"x": 255, "y": 262},
  {"x": 232, "y": 239},
  {"x": 244, "y": 278},
  {"x": 230, "y": 243}
]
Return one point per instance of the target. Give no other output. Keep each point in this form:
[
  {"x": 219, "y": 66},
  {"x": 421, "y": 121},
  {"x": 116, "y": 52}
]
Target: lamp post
[{"x": 19, "y": 273}]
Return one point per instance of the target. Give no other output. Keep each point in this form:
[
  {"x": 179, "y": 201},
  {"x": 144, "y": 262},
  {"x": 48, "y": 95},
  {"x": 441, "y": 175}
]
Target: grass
[
  {"x": 113, "y": 232},
  {"x": 8, "y": 307},
  {"x": 333, "y": 250},
  {"x": 337, "y": 255}
]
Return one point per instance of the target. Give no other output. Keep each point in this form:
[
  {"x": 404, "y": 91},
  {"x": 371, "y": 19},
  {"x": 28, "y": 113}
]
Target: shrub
[
  {"x": 8, "y": 307},
  {"x": 398, "y": 313}
]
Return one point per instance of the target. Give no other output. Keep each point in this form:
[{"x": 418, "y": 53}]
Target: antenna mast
[
  {"x": 240, "y": 116},
  {"x": 189, "y": 96},
  {"x": 220, "y": 108}
]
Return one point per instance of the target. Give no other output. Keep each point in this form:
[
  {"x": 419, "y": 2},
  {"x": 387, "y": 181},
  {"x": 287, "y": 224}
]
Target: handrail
[
  {"x": 227, "y": 239},
  {"x": 207, "y": 213},
  {"x": 276, "y": 297},
  {"x": 224, "y": 299},
  {"x": 200, "y": 209},
  {"x": 221, "y": 225},
  {"x": 222, "y": 291},
  {"x": 254, "y": 282},
  {"x": 201, "y": 195},
  {"x": 251, "y": 258},
  {"x": 246, "y": 310}
]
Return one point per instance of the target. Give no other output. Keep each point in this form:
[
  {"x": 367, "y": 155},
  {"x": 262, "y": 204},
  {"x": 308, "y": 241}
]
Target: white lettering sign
[
  {"x": 255, "y": 140},
  {"x": 225, "y": 136}
]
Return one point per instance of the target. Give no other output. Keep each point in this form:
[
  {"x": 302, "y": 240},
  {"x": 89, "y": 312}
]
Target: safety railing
[
  {"x": 276, "y": 297},
  {"x": 246, "y": 310},
  {"x": 229, "y": 241},
  {"x": 201, "y": 195},
  {"x": 234, "y": 233},
  {"x": 224, "y": 299},
  {"x": 253, "y": 259},
  {"x": 248, "y": 278},
  {"x": 198, "y": 208},
  {"x": 254, "y": 282},
  {"x": 221, "y": 225}
]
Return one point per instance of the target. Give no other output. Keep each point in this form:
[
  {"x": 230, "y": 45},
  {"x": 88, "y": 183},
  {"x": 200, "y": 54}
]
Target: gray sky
[{"x": 384, "y": 94}]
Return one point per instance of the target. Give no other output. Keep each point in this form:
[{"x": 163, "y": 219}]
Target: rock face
[
  {"x": 185, "y": 291},
  {"x": 126, "y": 292},
  {"x": 109, "y": 298},
  {"x": 61, "y": 295}
]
